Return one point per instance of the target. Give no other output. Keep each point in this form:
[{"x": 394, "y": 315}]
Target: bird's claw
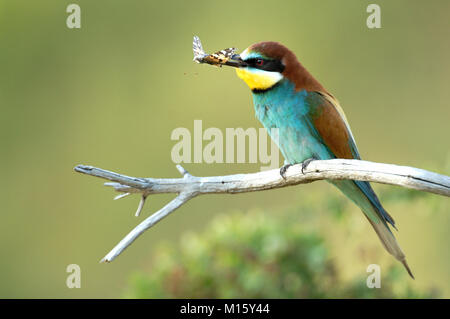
[
  {"x": 306, "y": 162},
  {"x": 283, "y": 170}
]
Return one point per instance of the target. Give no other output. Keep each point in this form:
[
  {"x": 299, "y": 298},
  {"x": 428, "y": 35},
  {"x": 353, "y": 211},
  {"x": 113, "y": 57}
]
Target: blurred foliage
[{"x": 262, "y": 255}]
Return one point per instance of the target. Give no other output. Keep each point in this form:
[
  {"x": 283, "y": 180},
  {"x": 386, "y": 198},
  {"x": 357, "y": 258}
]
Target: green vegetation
[{"x": 261, "y": 255}]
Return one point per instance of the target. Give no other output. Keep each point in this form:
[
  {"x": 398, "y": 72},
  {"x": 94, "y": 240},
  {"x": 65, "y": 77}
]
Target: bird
[{"x": 311, "y": 125}]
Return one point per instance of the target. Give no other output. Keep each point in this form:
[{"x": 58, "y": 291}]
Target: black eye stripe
[{"x": 267, "y": 65}]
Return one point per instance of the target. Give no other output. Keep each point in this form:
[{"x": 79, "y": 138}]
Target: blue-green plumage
[{"x": 290, "y": 112}]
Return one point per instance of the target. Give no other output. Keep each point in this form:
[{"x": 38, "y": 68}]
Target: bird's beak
[{"x": 236, "y": 61}]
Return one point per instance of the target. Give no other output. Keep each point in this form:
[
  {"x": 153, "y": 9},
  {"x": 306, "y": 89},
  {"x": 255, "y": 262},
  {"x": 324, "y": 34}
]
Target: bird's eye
[{"x": 259, "y": 62}]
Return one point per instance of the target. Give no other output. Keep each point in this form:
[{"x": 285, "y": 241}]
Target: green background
[{"x": 110, "y": 94}]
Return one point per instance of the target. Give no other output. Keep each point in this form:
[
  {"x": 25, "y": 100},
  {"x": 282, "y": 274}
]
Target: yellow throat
[{"x": 258, "y": 79}]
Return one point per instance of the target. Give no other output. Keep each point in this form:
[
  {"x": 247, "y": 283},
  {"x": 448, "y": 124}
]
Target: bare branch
[
  {"x": 147, "y": 223},
  {"x": 190, "y": 186}
]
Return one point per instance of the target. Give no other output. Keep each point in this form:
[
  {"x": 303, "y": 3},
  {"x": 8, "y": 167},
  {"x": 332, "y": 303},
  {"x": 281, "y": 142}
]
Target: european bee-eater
[{"x": 311, "y": 124}]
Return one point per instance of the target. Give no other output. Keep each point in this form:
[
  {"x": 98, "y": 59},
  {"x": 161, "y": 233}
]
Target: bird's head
[{"x": 264, "y": 64}]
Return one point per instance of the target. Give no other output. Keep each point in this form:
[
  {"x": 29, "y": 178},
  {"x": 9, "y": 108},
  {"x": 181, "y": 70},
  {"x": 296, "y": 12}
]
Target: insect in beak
[
  {"x": 222, "y": 57},
  {"x": 236, "y": 61}
]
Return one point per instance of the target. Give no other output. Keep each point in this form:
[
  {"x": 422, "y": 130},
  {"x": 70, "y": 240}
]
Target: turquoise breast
[{"x": 290, "y": 112}]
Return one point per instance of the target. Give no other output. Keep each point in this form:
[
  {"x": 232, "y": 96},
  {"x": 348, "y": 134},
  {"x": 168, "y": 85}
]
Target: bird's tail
[
  {"x": 390, "y": 243},
  {"x": 361, "y": 194}
]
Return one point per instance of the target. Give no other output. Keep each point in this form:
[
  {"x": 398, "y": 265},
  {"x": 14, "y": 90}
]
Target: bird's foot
[
  {"x": 284, "y": 169},
  {"x": 306, "y": 162}
]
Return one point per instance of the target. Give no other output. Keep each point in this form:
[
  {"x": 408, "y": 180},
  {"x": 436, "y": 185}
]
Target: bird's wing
[{"x": 331, "y": 124}]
